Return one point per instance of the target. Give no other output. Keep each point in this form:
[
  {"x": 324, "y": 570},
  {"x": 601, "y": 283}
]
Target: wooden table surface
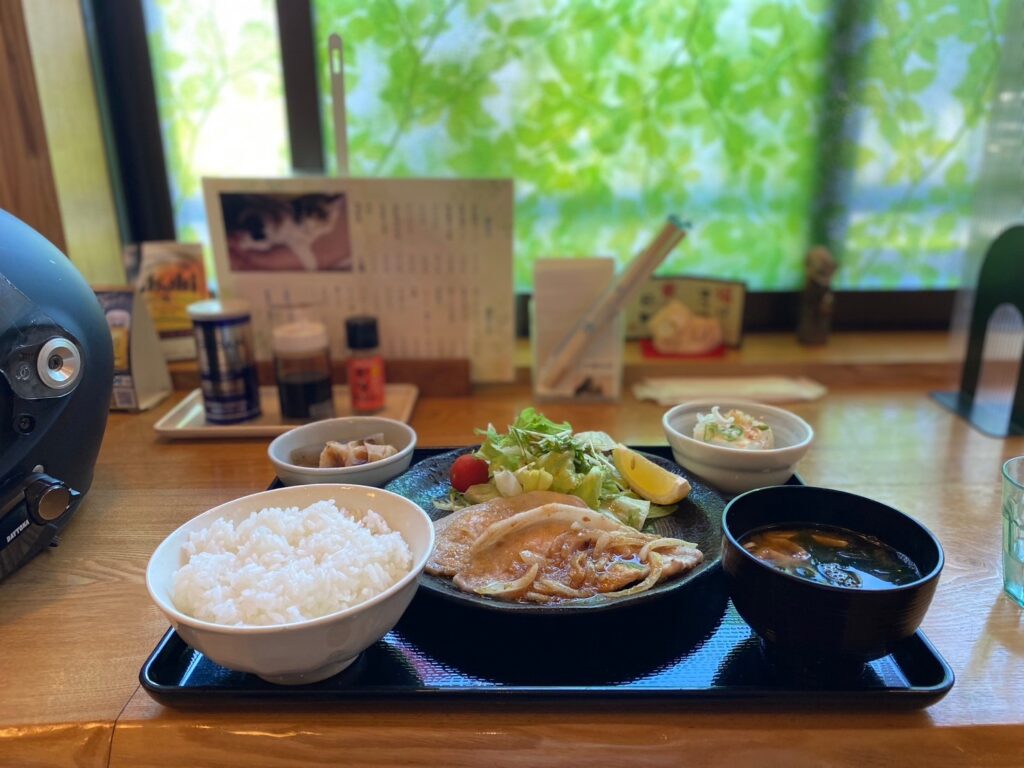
[{"x": 76, "y": 623}]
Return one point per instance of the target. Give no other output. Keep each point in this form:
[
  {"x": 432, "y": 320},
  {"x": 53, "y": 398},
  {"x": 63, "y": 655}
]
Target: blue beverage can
[{"x": 227, "y": 366}]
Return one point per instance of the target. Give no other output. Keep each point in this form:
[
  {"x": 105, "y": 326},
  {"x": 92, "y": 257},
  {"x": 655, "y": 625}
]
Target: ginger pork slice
[{"x": 455, "y": 533}]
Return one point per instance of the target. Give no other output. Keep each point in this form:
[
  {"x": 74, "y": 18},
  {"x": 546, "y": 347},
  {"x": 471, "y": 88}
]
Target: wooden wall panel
[
  {"x": 67, "y": 97},
  {"x": 27, "y": 186}
]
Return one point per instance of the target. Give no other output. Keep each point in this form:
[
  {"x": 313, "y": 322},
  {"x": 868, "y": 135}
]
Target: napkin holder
[{"x": 564, "y": 289}]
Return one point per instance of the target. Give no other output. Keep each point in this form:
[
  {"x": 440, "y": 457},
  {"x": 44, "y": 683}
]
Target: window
[
  {"x": 607, "y": 115},
  {"x": 762, "y": 120},
  {"x": 917, "y": 133},
  {"x": 217, "y": 75}
]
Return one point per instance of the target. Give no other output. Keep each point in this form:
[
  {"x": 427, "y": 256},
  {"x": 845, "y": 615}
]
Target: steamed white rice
[{"x": 284, "y": 565}]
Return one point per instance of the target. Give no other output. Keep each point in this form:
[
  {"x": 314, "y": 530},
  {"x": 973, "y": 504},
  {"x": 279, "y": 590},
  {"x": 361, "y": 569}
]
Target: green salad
[{"x": 537, "y": 454}]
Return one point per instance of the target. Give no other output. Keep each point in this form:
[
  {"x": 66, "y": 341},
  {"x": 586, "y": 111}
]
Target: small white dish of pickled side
[
  {"x": 295, "y": 453},
  {"x": 737, "y": 470}
]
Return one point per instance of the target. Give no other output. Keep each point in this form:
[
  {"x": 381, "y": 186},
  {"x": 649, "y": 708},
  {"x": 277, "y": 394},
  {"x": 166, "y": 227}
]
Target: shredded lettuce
[
  {"x": 590, "y": 487},
  {"x": 478, "y": 494},
  {"x": 538, "y": 454},
  {"x": 598, "y": 441},
  {"x": 660, "y": 510},
  {"x": 507, "y": 483},
  {"x": 629, "y": 510},
  {"x": 533, "y": 479}
]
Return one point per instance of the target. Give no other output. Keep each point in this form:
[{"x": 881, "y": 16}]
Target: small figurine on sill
[{"x": 817, "y": 298}]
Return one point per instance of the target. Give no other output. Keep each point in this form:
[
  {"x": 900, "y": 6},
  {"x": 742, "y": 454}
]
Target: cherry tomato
[{"x": 467, "y": 470}]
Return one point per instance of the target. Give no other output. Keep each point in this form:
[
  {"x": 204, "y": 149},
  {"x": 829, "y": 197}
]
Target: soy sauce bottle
[
  {"x": 365, "y": 367},
  {"x": 302, "y": 365}
]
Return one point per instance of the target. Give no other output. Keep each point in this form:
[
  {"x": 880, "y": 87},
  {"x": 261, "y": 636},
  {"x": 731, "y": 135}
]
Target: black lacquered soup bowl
[{"x": 801, "y": 619}]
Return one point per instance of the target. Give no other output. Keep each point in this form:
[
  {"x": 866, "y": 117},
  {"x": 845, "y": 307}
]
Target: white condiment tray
[{"x": 188, "y": 420}]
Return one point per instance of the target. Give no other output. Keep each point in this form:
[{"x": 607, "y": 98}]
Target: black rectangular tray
[{"x": 690, "y": 646}]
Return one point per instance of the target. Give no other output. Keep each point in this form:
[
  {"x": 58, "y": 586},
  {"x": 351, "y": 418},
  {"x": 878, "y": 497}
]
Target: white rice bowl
[{"x": 282, "y": 565}]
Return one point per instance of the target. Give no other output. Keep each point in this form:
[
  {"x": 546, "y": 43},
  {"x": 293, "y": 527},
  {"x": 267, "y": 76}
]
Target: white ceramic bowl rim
[
  {"x": 695, "y": 405},
  {"x": 259, "y": 629},
  {"x": 337, "y": 471}
]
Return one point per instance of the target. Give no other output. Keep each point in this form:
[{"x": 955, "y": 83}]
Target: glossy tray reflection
[{"x": 688, "y": 645}]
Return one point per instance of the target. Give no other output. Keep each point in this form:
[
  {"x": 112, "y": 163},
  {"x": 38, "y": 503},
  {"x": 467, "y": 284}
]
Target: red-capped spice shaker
[{"x": 365, "y": 367}]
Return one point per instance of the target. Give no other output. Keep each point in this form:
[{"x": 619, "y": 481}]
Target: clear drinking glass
[{"x": 1013, "y": 528}]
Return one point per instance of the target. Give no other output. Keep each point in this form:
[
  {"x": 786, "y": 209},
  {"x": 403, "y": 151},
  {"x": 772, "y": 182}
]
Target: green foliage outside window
[
  {"x": 217, "y": 73},
  {"x": 921, "y": 108},
  {"x": 611, "y": 113},
  {"x": 608, "y": 115}
]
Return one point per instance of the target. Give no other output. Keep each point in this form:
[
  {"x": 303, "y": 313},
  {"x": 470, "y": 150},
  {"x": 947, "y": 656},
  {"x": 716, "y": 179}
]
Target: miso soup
[{"x": 831, "y": 555}]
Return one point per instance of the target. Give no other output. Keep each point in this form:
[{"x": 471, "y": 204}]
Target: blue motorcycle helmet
[{"x": 56, "y": 373}]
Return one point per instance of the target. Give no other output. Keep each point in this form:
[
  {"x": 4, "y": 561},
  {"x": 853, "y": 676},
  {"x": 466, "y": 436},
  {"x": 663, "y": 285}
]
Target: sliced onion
[
  {"x": 602, "y": 543},
  {"x": 643, "y": 586},
  {"x": 664, "y": 543},
  {"x": 530, "y": 557},
  {"x": 558, "y": 589},
  {"x": 537, "y": 597},
  {"x": 510, "y": 590}
]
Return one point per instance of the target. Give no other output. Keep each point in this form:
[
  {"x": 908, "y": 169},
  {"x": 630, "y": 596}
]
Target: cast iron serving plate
[{"x": 697, "y": 519}]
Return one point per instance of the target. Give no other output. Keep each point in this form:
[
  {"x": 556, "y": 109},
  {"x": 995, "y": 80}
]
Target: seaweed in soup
[{"x": 831, "y": 555}]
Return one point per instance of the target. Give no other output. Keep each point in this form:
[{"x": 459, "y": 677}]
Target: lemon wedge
[{"x": 647, "y": 479}]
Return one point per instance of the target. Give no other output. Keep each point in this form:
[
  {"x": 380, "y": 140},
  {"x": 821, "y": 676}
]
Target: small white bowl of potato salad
[{"x": 737, "y": 445}]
